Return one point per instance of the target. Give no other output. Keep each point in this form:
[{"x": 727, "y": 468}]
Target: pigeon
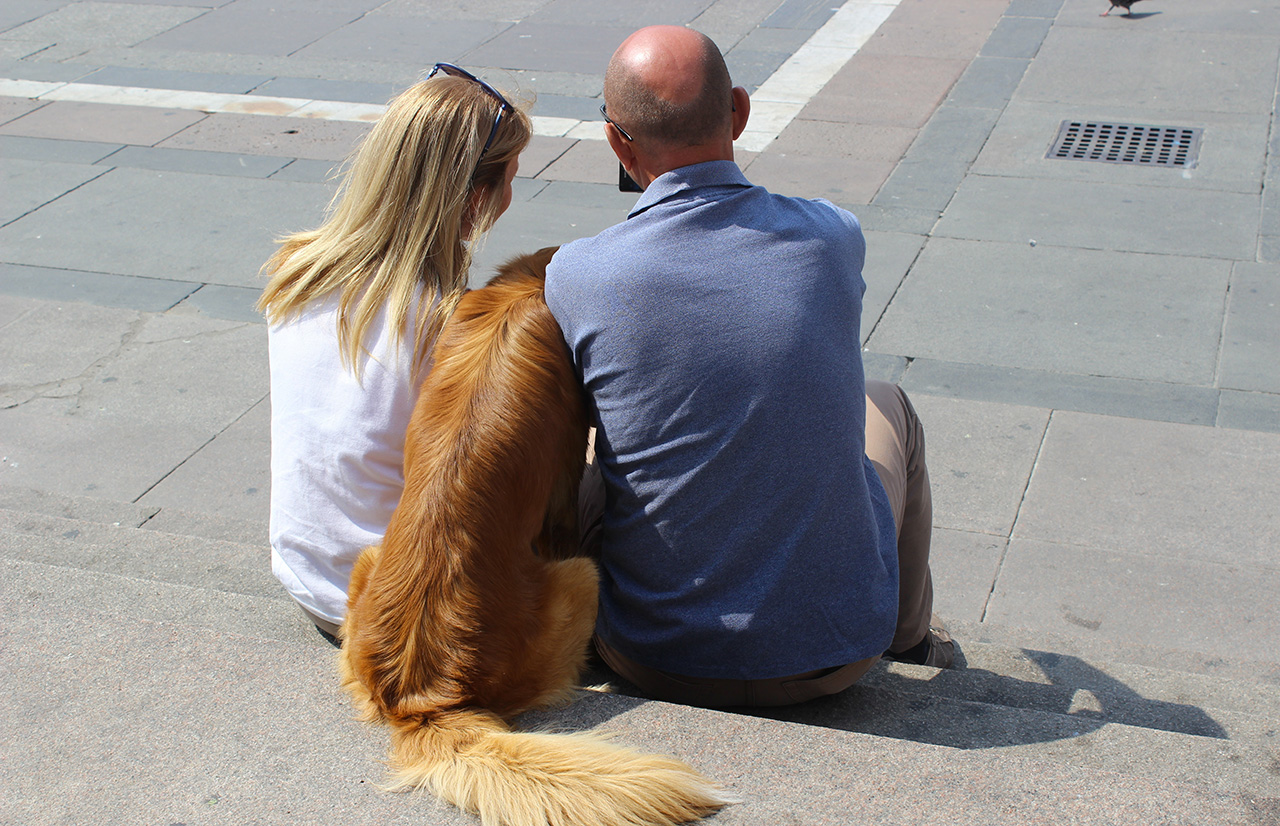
[{"x": 1124, "y": 4}]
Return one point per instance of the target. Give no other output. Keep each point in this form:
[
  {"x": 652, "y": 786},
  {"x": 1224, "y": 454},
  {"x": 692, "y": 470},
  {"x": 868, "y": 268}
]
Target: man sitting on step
[{"x": 766, "y": 513}]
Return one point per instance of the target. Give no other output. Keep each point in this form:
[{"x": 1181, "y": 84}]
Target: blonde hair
[{"x": 396, "y": 224}]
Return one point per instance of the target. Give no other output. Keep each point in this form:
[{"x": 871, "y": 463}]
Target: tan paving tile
[
  {"x": 107, "y": 123},
  {"x": 309, "y": 138}
]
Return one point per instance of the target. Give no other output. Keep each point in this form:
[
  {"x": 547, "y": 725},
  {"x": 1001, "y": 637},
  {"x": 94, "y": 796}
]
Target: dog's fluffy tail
[{"x": 474, "y": 761}]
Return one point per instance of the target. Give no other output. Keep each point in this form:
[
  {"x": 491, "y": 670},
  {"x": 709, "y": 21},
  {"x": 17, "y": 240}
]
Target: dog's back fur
[{"x": 475, "y": 608}]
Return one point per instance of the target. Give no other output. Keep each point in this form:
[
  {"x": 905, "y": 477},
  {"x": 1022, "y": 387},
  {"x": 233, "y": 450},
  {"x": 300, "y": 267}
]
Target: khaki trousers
[{"x": 895, "y": 446}]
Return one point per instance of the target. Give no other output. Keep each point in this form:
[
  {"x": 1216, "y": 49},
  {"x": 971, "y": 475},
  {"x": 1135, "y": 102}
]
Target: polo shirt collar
[{"x": 687, "y": 178}]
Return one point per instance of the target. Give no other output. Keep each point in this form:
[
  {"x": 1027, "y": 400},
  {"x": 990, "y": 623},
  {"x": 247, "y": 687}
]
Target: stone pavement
[{"x": 1094, "y": 348}]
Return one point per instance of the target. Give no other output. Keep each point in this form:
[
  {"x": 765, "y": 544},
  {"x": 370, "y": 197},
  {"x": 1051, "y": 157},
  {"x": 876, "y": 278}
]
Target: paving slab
[
  {"x": 1250, "y": 346},
  {"x": 559, "y": 47},
  {"x": 229, "y": 303},
  {"x": 197, "y": 161},
  {"x": 1151, "y": 400},
  {"x": 151, "y": 398},
  {"x": 245, "y": 29},
  {"x": 308, "y": 138},
  {"x": 1249, "y": 411},
  {"x": 57, "y": 151},
  {"x": 980, "y": 457},
  {"x": 1092, "y": 215},
  {"x": 411, "y": 40},
  {"x": 1232, "y": 155},
  {"x": 140, "y": 125},
  {"x": 1180, "y": 492},
  {"x": 843, "y": 180},
  {"x": 99, "y": 288},
  {"x": 11, "y": 108},
  {"x": 36, "y": 364},
  {"x": 163, "y": 79},
  {"x": 190, "y": 234},
  {"x": 1060, "y": 309},
  {"x": 78, "y": 27},
  {"x": 230, "y": 476},
  {"x": 894, "y": 90},
  {"x": 1106, "y": 594},
  {"x": 1123, "y": 67},
  {"x": 618, "y": 15},
  {"x": 964, "y": 566},
  {"x": 29, "y": 185},
  {"x": 890, "y": 256}
]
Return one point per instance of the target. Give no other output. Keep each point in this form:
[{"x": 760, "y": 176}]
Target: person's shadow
[{"x": 966, "y": 708}]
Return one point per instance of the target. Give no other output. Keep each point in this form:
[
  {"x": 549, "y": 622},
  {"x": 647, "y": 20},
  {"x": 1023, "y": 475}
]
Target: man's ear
[
  {"x": 620, "y": 146},
  {"x": 741, "y": 110}
]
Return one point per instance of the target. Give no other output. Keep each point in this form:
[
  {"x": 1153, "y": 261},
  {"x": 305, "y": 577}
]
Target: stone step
[{"x": 142, "y": 701}]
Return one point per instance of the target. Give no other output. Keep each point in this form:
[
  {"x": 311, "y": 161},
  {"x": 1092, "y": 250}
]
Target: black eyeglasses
[
  {"x": 456, "y": 71},
  {"x": 609, "y": 120}
]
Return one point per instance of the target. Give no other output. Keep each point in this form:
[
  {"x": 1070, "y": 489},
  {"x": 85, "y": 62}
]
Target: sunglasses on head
[{"x": 456, "y": 71}]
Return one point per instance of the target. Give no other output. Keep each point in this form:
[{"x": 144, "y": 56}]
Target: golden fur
[{"x": 475, "y": 607}]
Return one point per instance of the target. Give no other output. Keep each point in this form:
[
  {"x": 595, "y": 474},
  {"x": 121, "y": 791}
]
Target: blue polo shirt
[{"x": 745, "y": 535}]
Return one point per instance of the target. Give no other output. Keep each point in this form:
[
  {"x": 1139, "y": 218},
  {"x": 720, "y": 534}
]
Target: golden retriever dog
[{"x": 475, "y": 606}]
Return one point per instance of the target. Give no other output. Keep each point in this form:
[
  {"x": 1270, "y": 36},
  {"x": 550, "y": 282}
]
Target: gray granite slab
[
  {"x": 244, "y": 29},
  {"x": 57, "y": 150},
  {"x": 1168, "y": 491},
  {"x": 923, "y": 184},
  {"x": 30, "y": 501},
  {"x": 168, "y": 225},
  {"x": 1017, "y": 37},
  {"x": 29, "y": 185},
  {"x": 980, "y": 457},
  {"x": 196, "y": 161},
  {"x": 953, "y": 134},
  {"x": 15, "y": 14},
  {"x": 321, "y": 89},
  {"x": 230, "y": 476},
  {"x": 989, "y": 82},
  {"x": 228, "y": 303},
  {"x": 307, "y": 171},
  {"x": 964, "y": 565},
  {"x": 1232, "y": 154},
  {"x": 1104, "y": 594},
  {"x": 35, "y": 364},
  {"x": 32, "y": 70},
  {"x": 1059, "y": 309},
  {"x": 559, "y": 47},
  {"x": 1155, "y": 401},
  {"x": 150, "y": 399},
  {"x": 1237, "y": 17},
  {"x": 566, "y": 106},
  {"x": 619, "y": 15},
  {"x": 99, "y": 288},
  {"x": 168, "y": 79},
  {"x": 75, "y": 28},
  {"x": 1104, "y": 216},
  {"x": 509, "y": 10},
  {"x": 1249, "y": 411},
  {"x": 733, "y": 18},
  {"x": 412, "y": 40},
  {"x": 889, "y": 258},
  {"x": 1125, "y": 67},
  {"x": 1251, "y": 337},
  {"x": 800, "y": 14},
  {"x": 1034, "y": 8}
]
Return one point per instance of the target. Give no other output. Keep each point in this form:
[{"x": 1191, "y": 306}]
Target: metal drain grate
[{"x": 1127, "y": 143}]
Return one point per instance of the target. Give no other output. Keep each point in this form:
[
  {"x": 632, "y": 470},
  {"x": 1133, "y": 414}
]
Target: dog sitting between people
[{"x": 476, "y": 607}]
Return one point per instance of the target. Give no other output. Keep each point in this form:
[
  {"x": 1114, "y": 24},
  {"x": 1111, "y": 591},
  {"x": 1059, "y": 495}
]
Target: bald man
[{"x": 766, "y": 517}]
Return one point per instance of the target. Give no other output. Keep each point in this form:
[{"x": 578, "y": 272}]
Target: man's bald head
[{"x": 670, "y": 85}]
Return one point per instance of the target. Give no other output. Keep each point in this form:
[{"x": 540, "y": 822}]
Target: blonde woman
[{"x": 353, "y": 308}]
